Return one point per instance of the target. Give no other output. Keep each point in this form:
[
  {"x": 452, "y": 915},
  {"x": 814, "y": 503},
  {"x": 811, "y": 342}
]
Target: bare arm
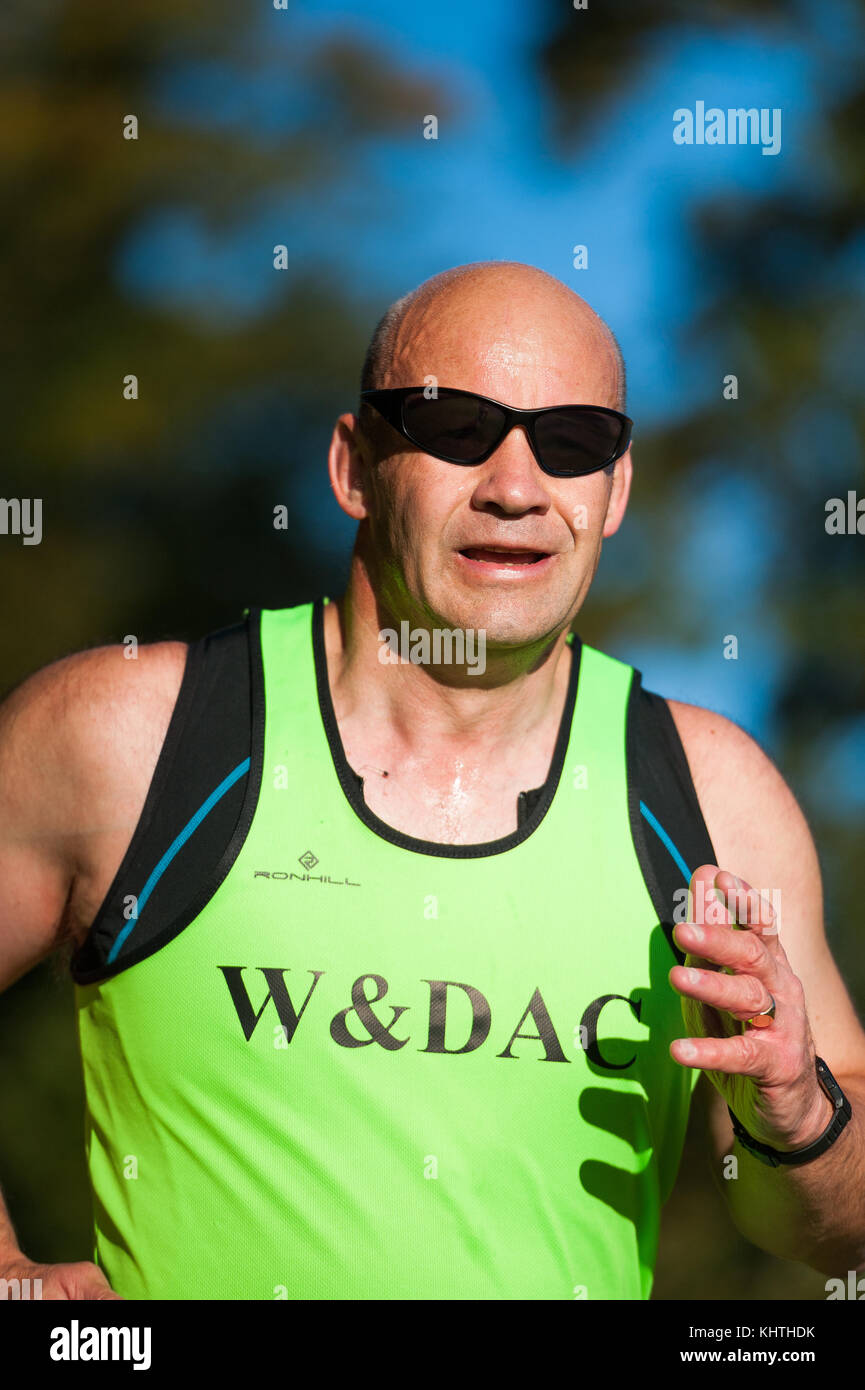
[
  {"x": 79, "y": 743},
  {"x": 814, "y": 1213}
]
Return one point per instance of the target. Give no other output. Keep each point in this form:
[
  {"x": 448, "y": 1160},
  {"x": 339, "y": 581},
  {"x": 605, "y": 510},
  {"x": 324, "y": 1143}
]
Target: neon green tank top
[{"x": 374, "y": 1068}]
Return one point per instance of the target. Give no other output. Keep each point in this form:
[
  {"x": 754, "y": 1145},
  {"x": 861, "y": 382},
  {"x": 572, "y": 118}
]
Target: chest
[
  {"x": 449, "y": 794},
  {"x": 464, "y": 803}
]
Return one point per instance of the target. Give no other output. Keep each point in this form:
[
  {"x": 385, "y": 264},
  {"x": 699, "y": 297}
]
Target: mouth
[{"x": 510, "y": 558}]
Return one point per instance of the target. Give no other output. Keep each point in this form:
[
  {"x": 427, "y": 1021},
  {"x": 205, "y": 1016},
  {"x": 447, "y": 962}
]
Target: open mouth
[{"x": 504, "y": 557}]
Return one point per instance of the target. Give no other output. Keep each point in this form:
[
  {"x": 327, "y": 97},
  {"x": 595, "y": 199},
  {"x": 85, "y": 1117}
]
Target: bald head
[{"x": 518, "y": 315}]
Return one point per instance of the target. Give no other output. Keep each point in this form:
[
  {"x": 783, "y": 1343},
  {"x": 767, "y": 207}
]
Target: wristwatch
[{"x": 774, "y": 1157}]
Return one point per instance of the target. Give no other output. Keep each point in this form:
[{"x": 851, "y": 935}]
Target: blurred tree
[{"x": 231, "y": 124}]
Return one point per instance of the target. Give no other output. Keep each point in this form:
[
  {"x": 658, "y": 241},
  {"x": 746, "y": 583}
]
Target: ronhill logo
[
  {"x": 365, "y": 1020},
  {"x": 309, "y": 861},
  {"x": 288, "y": 876}
]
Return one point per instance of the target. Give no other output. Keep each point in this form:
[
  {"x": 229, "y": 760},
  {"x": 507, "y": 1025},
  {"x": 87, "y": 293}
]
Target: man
[{"x": 339, "y": 879}]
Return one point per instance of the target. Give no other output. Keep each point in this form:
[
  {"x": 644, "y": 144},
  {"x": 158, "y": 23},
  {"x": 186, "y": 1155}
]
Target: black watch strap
[{"x": 775, "y": 1157}]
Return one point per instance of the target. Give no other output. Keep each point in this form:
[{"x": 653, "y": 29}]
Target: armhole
[
  {"x": 198, "y": 808},
  {"x": 667, "y": 827}
]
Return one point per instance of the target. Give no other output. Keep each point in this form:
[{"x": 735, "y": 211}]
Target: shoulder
[
  {"x": 79, "y": 741},
  {"x": 90, "y": 691},
  {"x": 85, "y": 724},
  {"x": 755, "y": 822},
  {"x": 731, "y": 771}
]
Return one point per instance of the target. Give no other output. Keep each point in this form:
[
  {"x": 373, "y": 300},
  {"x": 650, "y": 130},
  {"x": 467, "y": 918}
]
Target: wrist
[
  {"x": 12, "y": 1259},
  {"x": 804, "y": 1145},
  {"x": 816, "y": 1123}
]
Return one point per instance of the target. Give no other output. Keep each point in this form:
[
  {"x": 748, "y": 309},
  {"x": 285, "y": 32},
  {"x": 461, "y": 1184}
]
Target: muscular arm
[
  {"x": 814, "y": 1213},
  {"x": 79, "y": 743}
]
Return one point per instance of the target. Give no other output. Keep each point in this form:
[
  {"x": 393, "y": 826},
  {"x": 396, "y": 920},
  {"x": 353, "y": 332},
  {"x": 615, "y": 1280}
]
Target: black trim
[
  {"x": 660, "y": 776},
  {"x": 526, "y": 803},
  {"x": 637, "y": 821},
  {"x": 348, "y": 778},
  {"x": 83, "y": 974}
]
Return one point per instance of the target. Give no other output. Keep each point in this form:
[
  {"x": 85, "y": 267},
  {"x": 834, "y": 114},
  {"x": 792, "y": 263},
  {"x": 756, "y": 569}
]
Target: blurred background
[{"x": 303, "y": 127}]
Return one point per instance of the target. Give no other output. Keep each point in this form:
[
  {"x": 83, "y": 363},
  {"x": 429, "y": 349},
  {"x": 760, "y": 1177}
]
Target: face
[{"x": 499, "y": 546}]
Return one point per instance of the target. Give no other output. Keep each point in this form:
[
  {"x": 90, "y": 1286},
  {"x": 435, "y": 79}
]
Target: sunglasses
[{"x": 568, "y": 441}]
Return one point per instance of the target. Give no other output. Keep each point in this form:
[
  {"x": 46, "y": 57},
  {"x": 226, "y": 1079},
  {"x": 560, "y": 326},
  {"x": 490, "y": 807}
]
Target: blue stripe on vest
[
  {"x": 177, "y": 844},
  {"x": 665, "y": 840}
]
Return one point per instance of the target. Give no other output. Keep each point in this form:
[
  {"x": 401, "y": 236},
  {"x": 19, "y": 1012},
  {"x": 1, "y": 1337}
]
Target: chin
[{"x": 504, "y": 620}]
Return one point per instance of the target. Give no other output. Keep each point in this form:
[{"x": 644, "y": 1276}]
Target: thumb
[{"x": 86, "y": 1280}]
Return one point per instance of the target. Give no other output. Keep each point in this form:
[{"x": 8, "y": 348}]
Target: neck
[{"x": 451, "y": 705}]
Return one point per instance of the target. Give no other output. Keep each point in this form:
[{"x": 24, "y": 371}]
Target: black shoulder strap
[
  {"x": 191, "y": 811},
  {"x": 667, "y": 826}
]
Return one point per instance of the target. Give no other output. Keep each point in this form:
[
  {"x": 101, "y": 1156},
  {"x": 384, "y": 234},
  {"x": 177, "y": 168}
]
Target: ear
[
  {"x": 619, "y": 493},
  {"x": 348, "y": 462}
]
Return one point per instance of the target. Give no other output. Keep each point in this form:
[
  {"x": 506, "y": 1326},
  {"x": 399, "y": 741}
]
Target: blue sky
[{"x": 489, "y": 188}]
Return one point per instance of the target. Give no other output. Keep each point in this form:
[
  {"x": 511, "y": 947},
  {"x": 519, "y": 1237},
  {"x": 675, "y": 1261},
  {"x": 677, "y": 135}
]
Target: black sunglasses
[{"x": 462, "y": 427}]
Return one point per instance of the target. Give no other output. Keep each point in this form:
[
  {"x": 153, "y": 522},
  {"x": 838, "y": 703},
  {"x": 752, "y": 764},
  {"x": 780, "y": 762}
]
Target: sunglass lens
[
  {"x": 457, "y": 426},
  {"x": 574, "y": 442}
]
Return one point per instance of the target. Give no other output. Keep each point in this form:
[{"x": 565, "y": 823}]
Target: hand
[
  {"x": 767, "y": 1076},
  {"x": 81, "y": 1280}
]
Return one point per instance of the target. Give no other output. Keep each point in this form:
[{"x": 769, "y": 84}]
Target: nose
[{"x": 511, "y": 481}]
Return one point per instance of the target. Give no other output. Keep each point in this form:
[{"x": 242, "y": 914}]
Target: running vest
[{"x": 360, "y": 1065}]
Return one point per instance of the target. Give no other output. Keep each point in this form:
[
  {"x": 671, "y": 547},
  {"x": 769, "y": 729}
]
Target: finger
[
  {"x": 743, "y": 996},
  {"x": 704, "y": 902},
  {"x": 706, "y": 908},
  {"x": 746, "y": 906},
  {"x": 737, "y": 1056},
  {"x": 700, "y": 1020},
  {"x": 742, "y": 951}
]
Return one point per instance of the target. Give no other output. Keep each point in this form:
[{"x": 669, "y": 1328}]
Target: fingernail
[{"x": 687, "y": 1050}]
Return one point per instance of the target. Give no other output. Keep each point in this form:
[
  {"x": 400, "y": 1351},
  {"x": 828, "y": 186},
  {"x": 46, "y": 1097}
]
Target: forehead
[{"x": 526, "y": 349}]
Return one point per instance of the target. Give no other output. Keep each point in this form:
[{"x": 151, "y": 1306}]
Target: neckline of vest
[{"x": 352, "y": 793}]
